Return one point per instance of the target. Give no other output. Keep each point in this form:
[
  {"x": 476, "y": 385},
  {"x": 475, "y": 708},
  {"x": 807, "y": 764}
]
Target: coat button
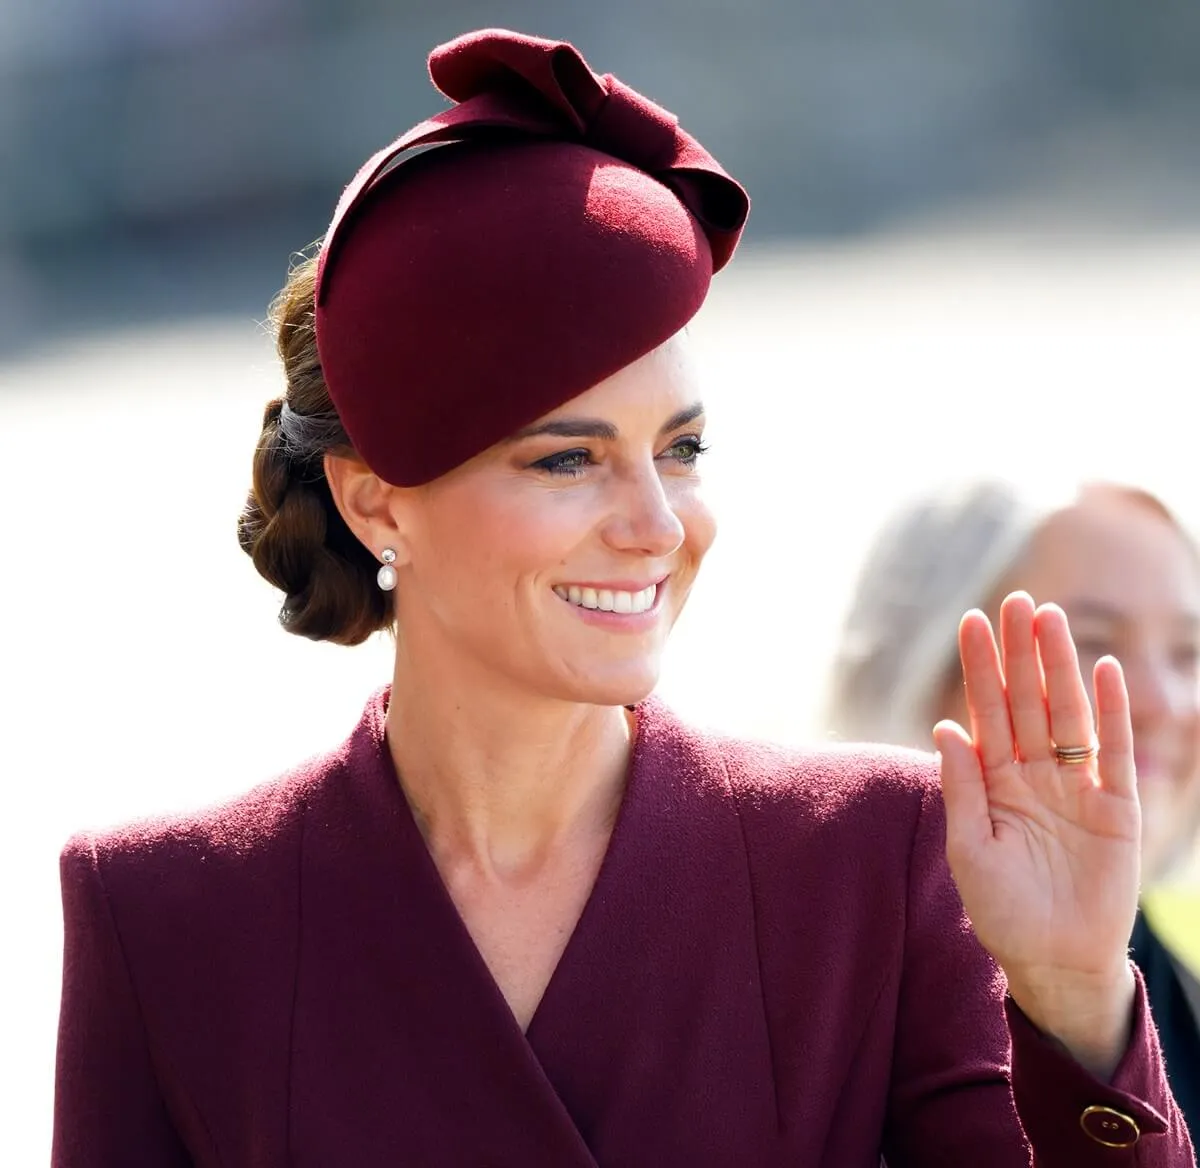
[{"x": 1113, "y": 1129}]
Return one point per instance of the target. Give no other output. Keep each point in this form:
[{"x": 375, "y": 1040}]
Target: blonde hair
[{"x": 939, "y": 556}]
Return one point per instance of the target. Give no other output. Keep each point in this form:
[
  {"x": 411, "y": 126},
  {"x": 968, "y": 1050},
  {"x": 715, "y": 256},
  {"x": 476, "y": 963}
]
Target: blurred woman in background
[{"x": 1128, "y": 576}]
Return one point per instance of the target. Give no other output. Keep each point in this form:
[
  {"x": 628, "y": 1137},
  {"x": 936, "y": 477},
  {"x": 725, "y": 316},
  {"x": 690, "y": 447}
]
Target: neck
[{"x": 507, "y": 780}]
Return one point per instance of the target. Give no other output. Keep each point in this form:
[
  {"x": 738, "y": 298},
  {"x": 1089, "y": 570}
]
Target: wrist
[{"x": 1089, "y": 1014}]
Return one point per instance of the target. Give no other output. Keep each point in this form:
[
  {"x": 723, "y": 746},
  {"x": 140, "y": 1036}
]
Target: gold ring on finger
[{"x": 1076, "y": 755}]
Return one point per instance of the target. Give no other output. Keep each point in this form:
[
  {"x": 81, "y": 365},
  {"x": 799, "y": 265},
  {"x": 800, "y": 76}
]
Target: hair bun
[{"x": 290, "y": 526}]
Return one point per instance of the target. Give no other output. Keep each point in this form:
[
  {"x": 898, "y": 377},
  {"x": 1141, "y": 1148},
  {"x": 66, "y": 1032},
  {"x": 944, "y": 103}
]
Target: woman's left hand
[{"x": 1046, "y": 853}]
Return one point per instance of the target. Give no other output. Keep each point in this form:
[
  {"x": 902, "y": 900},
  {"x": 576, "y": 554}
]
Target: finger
[
  {"x": 1118, "y": 772},
  {"x": 964, "y": 792},
  {"x": 1071, "y": 720},
  {"x": 1023, "y": 678},
  {"x": 987, "y": 701}
]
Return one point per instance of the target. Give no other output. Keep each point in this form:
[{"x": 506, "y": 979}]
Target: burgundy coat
[{"x": 772, "y": 969}]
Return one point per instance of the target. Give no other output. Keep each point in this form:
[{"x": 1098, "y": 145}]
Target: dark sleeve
[
  {"x": 975, "y": 1083},
  {"x": 108, "y": 1110}
]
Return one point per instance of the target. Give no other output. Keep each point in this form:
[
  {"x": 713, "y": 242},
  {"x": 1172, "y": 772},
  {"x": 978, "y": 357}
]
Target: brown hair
[{"x": 290, "y": 526}]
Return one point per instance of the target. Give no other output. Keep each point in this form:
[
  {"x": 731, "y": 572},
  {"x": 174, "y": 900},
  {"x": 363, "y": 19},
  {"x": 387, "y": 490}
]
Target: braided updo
[{"x": 290, "y": 526}]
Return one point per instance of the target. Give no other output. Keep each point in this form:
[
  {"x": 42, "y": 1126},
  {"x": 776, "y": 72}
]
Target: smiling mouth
[{"x": 607, "y": 599}]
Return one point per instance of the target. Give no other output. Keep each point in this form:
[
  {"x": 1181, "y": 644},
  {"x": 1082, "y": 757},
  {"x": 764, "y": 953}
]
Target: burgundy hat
[{"x": 561, "y": 227}]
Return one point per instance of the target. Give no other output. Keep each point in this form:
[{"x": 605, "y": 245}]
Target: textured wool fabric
[
  {"x": 773, "y": 968},
  {"x": 561, "y": 227}
]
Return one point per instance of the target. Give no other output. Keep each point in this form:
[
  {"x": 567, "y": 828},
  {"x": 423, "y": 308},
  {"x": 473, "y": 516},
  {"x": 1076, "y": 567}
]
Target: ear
[{"x": 371, "y": 507}]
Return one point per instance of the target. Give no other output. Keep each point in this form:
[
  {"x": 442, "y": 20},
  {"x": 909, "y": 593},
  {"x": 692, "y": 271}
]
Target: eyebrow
[
  {"x": 598, "y": 428},
  {"x": 1097, "y": 610},
  {"x": 1091, "y": 610}
]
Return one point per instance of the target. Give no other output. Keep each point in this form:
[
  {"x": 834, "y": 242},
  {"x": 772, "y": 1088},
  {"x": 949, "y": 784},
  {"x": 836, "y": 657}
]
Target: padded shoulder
[
  {"x": 864, "y": 783},
  {"x": 189, "y": 866}
]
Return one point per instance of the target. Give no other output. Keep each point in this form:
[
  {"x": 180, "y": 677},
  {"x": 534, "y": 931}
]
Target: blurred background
[
  {"x": 158, "y": 156},
  {"x": 975, "y": 245}
]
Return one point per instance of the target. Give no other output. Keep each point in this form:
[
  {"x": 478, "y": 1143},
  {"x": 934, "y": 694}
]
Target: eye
[
  {"x": 1187, "y": 658},
  {"x": 569, "y": 463},
  {"x": 1094, "y": 647},
  {"x": 686, "y": 450}
]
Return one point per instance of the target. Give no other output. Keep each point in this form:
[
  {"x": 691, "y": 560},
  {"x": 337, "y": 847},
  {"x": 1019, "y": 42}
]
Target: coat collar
[{"x": 400, "y": 1024}]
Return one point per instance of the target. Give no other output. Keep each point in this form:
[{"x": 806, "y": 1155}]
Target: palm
[{"x": 1045, "y": 854}]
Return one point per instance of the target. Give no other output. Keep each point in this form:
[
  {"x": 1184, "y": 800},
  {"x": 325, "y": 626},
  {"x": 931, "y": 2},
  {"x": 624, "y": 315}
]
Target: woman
[
  {"x": 1128, "y": 576},
  {"x": 524, "y": 915}
]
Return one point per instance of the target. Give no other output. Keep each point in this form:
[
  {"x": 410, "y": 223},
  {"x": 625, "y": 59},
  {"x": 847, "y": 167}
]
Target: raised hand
[{"x": 1045, "y": 852}]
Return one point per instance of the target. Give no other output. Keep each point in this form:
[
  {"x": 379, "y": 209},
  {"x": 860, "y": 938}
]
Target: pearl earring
[{"x": 386, "y": 578}]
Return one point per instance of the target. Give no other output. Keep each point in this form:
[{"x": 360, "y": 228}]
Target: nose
[{"x": 642, "y": 519}]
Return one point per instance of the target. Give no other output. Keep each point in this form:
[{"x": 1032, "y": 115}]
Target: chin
[{"x": 625, "y": 686}]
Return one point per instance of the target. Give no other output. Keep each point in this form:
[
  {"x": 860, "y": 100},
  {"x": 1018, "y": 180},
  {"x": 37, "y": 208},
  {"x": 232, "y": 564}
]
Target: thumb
[{"x": 964, "y": 792}]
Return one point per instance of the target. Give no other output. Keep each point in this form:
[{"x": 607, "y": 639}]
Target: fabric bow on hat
[{"x": 505, "y": 81}]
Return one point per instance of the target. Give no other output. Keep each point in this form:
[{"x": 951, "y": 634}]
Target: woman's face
[
  {"x": 558, "y": 560},
  {"x": 1130, "y": 585}
]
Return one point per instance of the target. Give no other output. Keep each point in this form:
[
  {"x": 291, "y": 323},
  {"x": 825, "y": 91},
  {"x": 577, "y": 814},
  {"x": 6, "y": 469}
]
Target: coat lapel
[
  {"x": 404, "y": 1050},
  {"x": 653, "y": 1030}
]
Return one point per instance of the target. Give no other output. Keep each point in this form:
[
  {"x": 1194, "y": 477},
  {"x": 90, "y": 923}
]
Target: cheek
[
  {"x": 699, "y": 522},
  {"x": 1188, "y": 720},
  {"x": 1186, "y": 692},
  {"x": 493, "y": 540}
]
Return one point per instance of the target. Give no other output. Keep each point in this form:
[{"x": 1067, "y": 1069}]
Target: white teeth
[{"x": 608, "y": 600}]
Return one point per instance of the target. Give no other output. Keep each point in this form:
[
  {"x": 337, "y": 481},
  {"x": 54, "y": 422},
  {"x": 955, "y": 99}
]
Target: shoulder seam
[
  {"x": 922, "y": 811},
  {"x": 157, "y": 1058},
  {"x": 762, "y": 989}
]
